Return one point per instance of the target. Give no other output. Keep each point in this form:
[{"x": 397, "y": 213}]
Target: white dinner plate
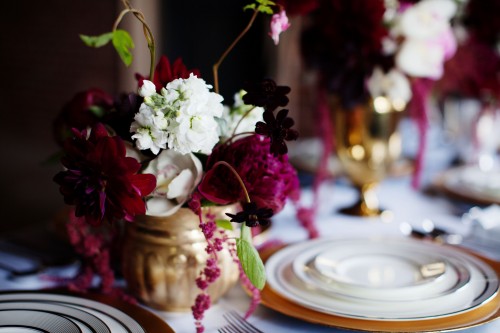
[
  {"x": 470, "y": 181},
  {"x": 483, "y": 285},
  {"x": 95, "y": 316},
  {"x": 376, "y": 272}
]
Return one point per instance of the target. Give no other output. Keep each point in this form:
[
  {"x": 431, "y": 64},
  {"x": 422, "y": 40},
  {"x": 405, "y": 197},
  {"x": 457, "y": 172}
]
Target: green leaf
[
  {"x": 123, "y": 43},
  {"x": 251, "y": 262},
  {"x": 251, "y": 6},
  {"x": 265, "y": 10},
  {"x": 97, "y": 110},
  {"x": 97, "y": 41},
  {"x": 224, "y": 224}
]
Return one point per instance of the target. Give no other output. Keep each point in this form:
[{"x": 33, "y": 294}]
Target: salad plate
[{"x": 376, "y": 272}]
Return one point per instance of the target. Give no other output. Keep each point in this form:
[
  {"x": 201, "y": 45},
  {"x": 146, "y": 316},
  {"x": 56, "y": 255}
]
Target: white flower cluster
[
  {"x": 232, "y": 121},
  {"x": 428, "y": 38},
  {"x": 182, "y": 117},
  {"x": 427, "y": 41}
]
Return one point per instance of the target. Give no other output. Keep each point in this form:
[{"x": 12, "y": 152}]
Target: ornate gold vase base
[{"x": 163, "y": 256}]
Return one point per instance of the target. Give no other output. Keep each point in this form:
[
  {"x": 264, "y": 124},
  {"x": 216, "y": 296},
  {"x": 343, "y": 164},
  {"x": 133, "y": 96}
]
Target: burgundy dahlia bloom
[
  {"x": 85, "y": 109},
  {"x": 166, "y": 72},
  {"x": 100, "y": 180},
  {"x": 269, "y": 179}
]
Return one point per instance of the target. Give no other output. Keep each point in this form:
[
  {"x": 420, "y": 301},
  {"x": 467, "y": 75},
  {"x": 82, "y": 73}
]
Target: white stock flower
[
  {"x": 147, "y": 89},
  {"x": 395, "y": 85},
  {"x": 420, "y": 58},
  {"x": 177, "y": 175},
  {"x": 149, "y": 128},
  {"x": 426, "y": 18},
  {"x": 194, "y": 134},
  {"x": 184, "y": 112},
  {"x": 232, "y": 115}
]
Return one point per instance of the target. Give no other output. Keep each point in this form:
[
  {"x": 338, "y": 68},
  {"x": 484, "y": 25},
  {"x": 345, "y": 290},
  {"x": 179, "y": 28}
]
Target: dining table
[{"x": 404, "y": 208}]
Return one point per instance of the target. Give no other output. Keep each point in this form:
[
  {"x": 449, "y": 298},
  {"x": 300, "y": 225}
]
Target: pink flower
[
  {"x": 269, "y": 179},
  {"x": 279, "y": 23}
]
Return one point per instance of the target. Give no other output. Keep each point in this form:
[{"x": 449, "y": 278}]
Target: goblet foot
[
  {"x": 367, "y": 205},
  {"x": 360, "y": 209}
]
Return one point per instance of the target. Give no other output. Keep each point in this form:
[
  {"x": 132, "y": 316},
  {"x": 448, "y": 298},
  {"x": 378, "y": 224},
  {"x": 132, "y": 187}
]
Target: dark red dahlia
[
  {"x": 298, "y": 7},
  {"x": 269, "y": 179},
  {"x": 166, "y": 72},
  {"x": 85, "y": 109},
  {"x": 100, "y": 180},
  {"x": 343, "y": 41},
  {"x": 472, "y": 72}
]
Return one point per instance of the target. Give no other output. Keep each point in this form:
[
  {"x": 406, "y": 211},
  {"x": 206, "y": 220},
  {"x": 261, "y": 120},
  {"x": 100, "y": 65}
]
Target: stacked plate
[
  {"x": 469, "y": 182},
  {"x": 27, "y": 312},
  {"x": 385, "y": 279}
]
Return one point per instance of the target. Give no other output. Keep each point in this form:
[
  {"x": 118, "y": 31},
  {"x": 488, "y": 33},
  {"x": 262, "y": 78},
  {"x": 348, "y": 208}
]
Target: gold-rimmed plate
[{"x": 484, "y": 313}]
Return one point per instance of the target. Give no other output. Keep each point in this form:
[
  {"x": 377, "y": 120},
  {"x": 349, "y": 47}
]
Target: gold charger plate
[{"x": 481, "y": 315}]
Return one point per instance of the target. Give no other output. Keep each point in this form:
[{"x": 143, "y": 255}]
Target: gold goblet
[{"x": 367, "y": 142}]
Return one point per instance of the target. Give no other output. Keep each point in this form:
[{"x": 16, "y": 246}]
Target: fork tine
[
  {"x": 224, "y": 330},
  {"x": 236, "y": 319}
]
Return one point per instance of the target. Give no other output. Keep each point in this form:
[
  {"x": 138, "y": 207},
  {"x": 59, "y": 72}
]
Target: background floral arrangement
[
  {"x": 361, "y": 49},
  {"x": 474, "y": 70},
  {"x": 175, "y": 144}
]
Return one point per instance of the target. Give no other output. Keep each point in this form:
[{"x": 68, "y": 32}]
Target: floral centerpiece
[
  {"x": 391, "y": 48},
  {"x": 174, "y": 144}
]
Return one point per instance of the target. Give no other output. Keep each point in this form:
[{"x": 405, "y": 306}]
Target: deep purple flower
[
  {"x": 122, "y": 115},
  {"x": 269, "y": 179},
  {"x": 83, "y": 110},
  {"x": 252, "y": 216},
  {"x": 266, "y": 94},
  {"x": 100, "y": 180},
  {"x": 278, "y": 130},
  {"x": 166, "y": 72}
]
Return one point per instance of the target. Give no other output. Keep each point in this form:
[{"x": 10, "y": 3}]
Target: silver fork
[{"x": 237, "y": 324}]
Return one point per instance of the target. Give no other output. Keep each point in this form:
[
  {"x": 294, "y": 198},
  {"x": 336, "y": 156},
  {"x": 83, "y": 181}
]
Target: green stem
[
  {"x": 247, "y": 197},
  {"x": 148, "y": 34},
  {"x": 236, "y": 135},
  {"x": 215, "y": 67},
  {"x": 241, "y": 119}
]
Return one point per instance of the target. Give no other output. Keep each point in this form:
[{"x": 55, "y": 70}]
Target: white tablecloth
[{"x": 396, "y": 195}]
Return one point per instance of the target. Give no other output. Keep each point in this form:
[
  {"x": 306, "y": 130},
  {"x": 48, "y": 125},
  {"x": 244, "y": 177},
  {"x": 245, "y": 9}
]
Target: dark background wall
[
  {"x": 43, "y": 63},
  {"x": 200, "y": 31}
]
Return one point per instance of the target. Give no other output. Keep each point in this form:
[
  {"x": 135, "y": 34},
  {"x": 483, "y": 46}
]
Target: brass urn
[{"x": 163, "y": 256}]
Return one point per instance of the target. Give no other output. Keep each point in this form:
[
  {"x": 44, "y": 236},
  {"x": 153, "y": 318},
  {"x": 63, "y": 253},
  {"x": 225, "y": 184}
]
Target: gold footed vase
[
  {"x": 163, "y": 256},
  {"x": 367, "y": 142}
]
